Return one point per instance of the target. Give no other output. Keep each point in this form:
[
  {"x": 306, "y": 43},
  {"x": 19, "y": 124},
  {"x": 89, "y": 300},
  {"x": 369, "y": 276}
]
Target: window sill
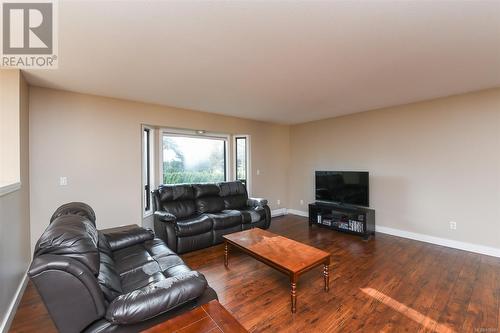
[{"x": 9, "y": 188}]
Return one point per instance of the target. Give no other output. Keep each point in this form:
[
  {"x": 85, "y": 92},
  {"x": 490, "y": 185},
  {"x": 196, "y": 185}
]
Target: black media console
[{"x": 345, "y": 218}]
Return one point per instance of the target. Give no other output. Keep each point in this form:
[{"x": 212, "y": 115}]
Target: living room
[{"x": 220, "y": 131}]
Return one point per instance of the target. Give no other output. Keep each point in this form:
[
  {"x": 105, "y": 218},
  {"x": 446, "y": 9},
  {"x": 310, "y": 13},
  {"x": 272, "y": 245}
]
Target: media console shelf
[{"x": 345, "y": 218}]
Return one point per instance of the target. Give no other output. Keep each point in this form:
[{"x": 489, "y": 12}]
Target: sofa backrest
[
  {"x": 71, "y": 236},
  {"x": 207, "y": 198},
  {"x": 75, "y": 208},
  {"x": 176, "y": 199},
  {"x": 67, "y": 260},
  {"x": 234, "y": 194}
]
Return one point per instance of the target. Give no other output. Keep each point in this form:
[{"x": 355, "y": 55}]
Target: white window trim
[
  {"x": 143, "y": 169},
  {"x": 9, "y": 188},
  {"x": 249, "y": 160},
  {"x": 194, "y": 134}
]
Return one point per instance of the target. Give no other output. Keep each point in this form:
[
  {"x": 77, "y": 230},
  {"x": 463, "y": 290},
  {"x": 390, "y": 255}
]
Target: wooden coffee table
[
  {"x": 211, "y": 317},
  {"x": 286, "y": 255}
]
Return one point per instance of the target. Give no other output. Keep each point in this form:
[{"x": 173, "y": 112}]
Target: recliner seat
[
  {"x": 191, "y": 217},
  {"x": 115, "y": 280}
]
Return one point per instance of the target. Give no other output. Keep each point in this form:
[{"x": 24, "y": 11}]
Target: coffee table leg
[
  {"x": 326, "y": 277},
  {"x": 294, "y": 294},
  {"x": 226, "y": 254}
]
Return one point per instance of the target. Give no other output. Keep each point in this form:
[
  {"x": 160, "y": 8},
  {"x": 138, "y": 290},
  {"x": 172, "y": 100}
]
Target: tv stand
[{"x": 344, "y": 218}]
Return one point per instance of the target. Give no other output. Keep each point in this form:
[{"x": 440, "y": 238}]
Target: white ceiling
[{"x": 285, "y": 62}]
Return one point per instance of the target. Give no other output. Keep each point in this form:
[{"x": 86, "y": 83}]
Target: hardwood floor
[{"x": 387, "y": 284}]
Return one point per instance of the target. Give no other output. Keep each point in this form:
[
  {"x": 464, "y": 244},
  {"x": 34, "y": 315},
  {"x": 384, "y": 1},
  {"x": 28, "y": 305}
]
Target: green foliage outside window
[{"x": 192, "y": 160}]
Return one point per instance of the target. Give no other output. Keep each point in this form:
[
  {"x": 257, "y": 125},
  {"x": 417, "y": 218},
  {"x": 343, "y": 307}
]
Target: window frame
[
  {"x": 193, "y": 134},
  {"x": 147, "y": 171},
  {"x": 248, "y": 160}
]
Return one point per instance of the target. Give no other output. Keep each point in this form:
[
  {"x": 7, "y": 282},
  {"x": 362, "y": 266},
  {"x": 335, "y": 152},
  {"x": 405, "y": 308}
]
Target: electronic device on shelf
[{"x": 343, "y": 187}]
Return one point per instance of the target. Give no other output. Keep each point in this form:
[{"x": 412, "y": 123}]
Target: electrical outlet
[
  {"x": 301, "y": 202},
  {"x": 278, "y": 202},
  {"x": 453, "y": 225},
  {"x": 63, "y": 181}
]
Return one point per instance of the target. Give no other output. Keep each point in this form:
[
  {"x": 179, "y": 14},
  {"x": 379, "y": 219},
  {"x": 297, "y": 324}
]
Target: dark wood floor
[{"x": 387, "y": 284}]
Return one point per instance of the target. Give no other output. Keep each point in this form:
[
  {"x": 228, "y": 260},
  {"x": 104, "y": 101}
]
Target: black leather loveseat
[
  {"x": 193, "y": 216},
  {"x": 115, "y": 280}
]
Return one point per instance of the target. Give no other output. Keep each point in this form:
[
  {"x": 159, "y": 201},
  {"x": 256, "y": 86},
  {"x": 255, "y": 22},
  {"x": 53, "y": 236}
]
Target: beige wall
[
  {"x": 95, "y": 142},
  {"x": 15, "y": 250},
  {"x": 429, "y": 163}
]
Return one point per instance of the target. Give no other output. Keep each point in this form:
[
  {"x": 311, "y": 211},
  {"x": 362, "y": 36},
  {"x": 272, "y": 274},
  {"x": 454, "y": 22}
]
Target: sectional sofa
[
  {"x": 189, "y": 217},
  {"x": 114, "y": 280}
]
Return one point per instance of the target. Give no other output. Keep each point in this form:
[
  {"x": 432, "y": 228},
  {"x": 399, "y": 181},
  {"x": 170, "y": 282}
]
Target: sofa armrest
[
  {"x": 256, "y": 202},
  {"x": 121, "y": 237},
  {"x": 165, "y": 216},
  {"x": 156, "y": 299}
]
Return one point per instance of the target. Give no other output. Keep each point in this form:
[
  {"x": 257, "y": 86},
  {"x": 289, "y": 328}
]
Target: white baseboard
[
  {"x": 11, "y": 311},
  {"x": 476, "y": 248},
  {"x": 279, "y": 212},
  {"x": 298, "y": 212}
]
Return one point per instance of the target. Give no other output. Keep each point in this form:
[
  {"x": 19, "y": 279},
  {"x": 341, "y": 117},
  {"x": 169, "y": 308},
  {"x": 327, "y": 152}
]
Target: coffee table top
[{"x": 286, "y": 253}]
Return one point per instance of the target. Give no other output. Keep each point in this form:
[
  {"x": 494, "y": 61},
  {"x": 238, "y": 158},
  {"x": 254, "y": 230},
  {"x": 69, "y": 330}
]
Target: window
[
  {"x": 147, "y": 169},
  {"x": 192, "y": 159},
  {"x": 241, "y": 159}
]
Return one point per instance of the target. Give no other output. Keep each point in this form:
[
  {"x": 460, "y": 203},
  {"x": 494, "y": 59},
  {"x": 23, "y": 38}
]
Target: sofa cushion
[
  {"x": 157, "y": 248},
  {"x": 232, "y": 188},
  {"x": 193, "y": 226},
  {"x": 155, "y": 299},
  {"x": 177, "y": 200},
  {"x": 161, "y": 263},
  {"x": 209, "y": 205},
  {"x": 175, "y": 192},
  {"x": 207, "y": 198},
  {"x": 141, "y": 276},
  {"x": 206, "y": 190},
  {"x": 181, "y": 209},
  {"x": 130, "y": 258},
  {"x": 108, "y": 278},
  {"x": 254, "y": 214},
  {"x": 73, "y": 236},
  {"x": 226, "y": 219},
  {"x": 235, "y": 202},
  {"x": 234, "y": 195}
]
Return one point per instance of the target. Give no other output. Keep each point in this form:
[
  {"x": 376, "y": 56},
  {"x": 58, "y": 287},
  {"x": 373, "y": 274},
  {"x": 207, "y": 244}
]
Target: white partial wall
[
  {"x": 430, "y": 163},
  {"x": 15, "y": 252}
]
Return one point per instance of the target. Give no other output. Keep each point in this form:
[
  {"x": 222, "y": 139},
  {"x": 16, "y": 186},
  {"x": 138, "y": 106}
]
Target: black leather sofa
[
  {"x": 191, "y": 217},
  {"x": 114, "y": 280}
]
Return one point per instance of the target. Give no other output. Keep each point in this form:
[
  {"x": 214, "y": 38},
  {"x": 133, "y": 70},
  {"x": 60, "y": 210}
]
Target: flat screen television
[{"x": 345, "y": 187}]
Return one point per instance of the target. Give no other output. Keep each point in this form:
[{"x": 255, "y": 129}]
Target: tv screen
[{"x": 346, "y": 187}]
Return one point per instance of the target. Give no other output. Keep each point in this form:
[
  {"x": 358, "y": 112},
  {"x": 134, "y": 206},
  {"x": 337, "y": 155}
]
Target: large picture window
[{"x": 190, "y": 159}]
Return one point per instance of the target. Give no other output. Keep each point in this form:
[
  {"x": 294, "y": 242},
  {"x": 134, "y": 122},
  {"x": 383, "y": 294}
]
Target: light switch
[{"x": 63, "y": 181}]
